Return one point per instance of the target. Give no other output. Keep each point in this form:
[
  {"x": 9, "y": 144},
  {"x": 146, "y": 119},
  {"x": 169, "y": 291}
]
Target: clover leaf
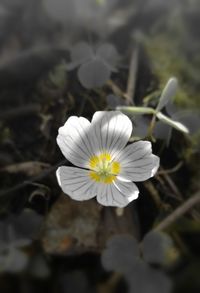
[
  {"x": 13, "y": 260},
  {"x": 167, "y": 93},
  {"x": 19, "y": 231},
  {"x": 156, "y": 247},
  {"x": 121, "y": 254},
  {"x": 94, "y": 64},
  {"x": 145, "y": 279},
  {"x": 125, "y": 255}
]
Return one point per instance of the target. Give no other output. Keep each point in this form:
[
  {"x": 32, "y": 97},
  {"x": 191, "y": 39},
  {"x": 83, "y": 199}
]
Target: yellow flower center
[{"x": 103, "y": 168}]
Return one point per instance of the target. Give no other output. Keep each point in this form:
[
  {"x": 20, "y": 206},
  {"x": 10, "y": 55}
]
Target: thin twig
[
  {"x": 172, "y": 185},
  {"x": 116, "y": 89},
  {"x": 154, "y": 194},
  {"x": 30, "y": 181},
  {"x": 163, "y": 183},
  {"x": 172, "y": 170},
  {"x": 31, "y": 168},
  {"x": 151, "y": 128},
  {"x": 19, "y": 111},
  {"x": 130, "y": 92},
  {"x": 180, "y": 211},
  {"x": 92, "y": 103}
]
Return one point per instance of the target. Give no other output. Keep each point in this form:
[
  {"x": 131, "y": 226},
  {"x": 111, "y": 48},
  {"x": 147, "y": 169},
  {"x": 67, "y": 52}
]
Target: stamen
[
  {"x": 115, "y": 168},
  {"x": 95, "y": 176},
  {"x": 94, "y": 162},
  {"x": 103, "y": 169}
]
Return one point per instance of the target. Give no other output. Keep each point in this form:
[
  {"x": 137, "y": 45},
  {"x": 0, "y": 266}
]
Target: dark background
[{"x": 48, "y": 241}]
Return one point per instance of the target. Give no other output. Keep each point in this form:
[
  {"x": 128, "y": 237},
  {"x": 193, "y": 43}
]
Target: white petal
[
  {"x": 74, "y": 140},
  {"x": 112, "y": 129},
  {"x": 118, "y": 194},
  {"x": 134, "y": 151},
  {"x": 76, "y": 183},
  {"x": 137, "y": 162}
]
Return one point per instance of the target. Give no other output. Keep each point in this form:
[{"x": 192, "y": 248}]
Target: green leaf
[
  {"x": 168, "y": 92},
  {"x": 136, "y": 110},
  {"x": 175, "y": 124}
]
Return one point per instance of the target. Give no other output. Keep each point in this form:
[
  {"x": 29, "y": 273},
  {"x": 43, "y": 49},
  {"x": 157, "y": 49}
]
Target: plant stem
[{"x": 180, "y": 211}]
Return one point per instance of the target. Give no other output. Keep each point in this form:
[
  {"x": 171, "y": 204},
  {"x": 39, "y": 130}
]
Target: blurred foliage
[
  {"x": 168, "y": 52},
  {"x": 96, "y": 65},
  {"x": 123, "y": 254},
  {"x": 17, "y": 232},
  {"x": 44, "y": 46}
]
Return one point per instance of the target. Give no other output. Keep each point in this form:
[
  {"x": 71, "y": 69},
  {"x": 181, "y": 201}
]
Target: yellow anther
[
  {"x": 109, "y": 179},
  {"x": 103, "y": 168},
  {"x": 94, "y": 161},
  {"x": 94, "y": 176},
  {"x": 115, "y": 168}
]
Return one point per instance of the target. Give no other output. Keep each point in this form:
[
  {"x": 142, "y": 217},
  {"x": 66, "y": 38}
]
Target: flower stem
[{"x": 151, "y": 128}]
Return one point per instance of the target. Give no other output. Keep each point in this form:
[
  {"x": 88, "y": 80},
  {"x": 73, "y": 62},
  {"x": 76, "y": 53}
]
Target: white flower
[{"x": 107, "y": 165}]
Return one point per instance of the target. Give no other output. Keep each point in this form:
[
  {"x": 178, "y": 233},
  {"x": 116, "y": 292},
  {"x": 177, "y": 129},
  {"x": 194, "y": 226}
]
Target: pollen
[
  {"x": 94, "y": 176},
  {"x": 103, "y": 168},
  {"x": 94, "y": 161},
  {"x": 115, "y": 168},
  {"x": 109, "y": 179},
  {"x": 105, "y": 156}
]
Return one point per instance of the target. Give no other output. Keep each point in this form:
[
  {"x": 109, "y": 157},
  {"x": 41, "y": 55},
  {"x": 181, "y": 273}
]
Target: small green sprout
[{"x": 167, "y": 93}]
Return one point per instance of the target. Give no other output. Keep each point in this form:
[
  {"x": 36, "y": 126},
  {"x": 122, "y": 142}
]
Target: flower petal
[
  {"x": 137, "y": 162},
  {"x": 118, "y": 194},
  {"x": 75, "y": 141},
  {"x": 112, "y": 129},
  {"x": 76, "y": 183}
]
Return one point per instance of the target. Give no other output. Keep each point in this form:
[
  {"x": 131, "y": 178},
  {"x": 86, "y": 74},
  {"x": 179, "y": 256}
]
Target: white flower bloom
[{"x": 107, "y": 165}]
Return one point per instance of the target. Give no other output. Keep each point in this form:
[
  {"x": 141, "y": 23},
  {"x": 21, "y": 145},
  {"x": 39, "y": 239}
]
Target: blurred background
[{"x": 73, "y": 57}]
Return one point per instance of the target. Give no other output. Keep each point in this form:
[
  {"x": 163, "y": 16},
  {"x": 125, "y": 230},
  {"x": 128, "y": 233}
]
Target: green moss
[
  {"x": 4, "y": 133},
  {"x": 168, "y": 59}
]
